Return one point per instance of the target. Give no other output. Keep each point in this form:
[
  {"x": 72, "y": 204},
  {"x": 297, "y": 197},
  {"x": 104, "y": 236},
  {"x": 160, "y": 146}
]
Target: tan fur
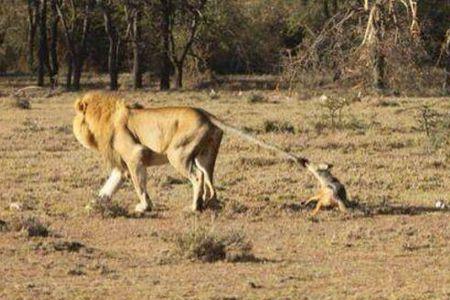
[
  {"x": 131, "y": 139},
  {"x": 331, "y": 192},
  {"x": 101, "y": 113}
]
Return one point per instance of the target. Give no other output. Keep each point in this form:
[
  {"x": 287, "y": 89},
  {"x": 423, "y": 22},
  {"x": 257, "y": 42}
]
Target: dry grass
[
  {"x": 393, "y": 245},
  {"x": 205, "y": 245}
]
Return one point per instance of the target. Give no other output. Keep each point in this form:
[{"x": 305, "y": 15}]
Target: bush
[
  {"x": 206, "y": 246},
  {"x": 107, "y": 209},
  {"x": 31, "y": 226},
  {"x": 278, "y": 127}
]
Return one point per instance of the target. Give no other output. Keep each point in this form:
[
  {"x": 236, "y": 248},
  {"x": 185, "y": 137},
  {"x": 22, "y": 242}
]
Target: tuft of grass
[
  {"x": 14, "y": 102},
  {"x": 32, "y": 125},
  {"x": 435, "y": 125},
  {"x": 206, "y": 246},
  {"x": 278, "y": 127},
  {"x": 235, "y": 207},
  {"x": 387, "y": 103},
  {"x": 69, "y": 246},
  {"x": 256, "y": 98},
  {"x": 31, "y": 226},
  {"x": 108, "y": 209},
  {"x": 3, "y": 226}
]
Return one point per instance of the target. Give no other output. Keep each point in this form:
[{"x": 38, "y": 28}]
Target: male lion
[{"x": 131, "y": 139}]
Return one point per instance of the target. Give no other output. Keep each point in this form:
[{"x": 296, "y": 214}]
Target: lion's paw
[{"x": 142, "y": 207}]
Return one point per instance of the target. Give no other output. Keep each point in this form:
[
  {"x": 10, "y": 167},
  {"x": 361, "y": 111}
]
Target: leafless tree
[
  {"x": 32, "y": 26},
  {"x": 43, "y": 60},
  {"x": 75, "y": 19},
  {"x": 54, "y": 64},
  {"x": 108, "y": 9},
  {"x": 191, "y": 12},
  {"x": 133, "y": 12},
  {"x": 166, "y": 65}
]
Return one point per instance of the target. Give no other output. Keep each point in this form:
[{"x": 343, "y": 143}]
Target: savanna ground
[{"x": 394, "y": 245}]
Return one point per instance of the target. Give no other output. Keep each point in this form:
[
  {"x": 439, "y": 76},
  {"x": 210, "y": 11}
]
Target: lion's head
[{"x": 97, "y": 115}]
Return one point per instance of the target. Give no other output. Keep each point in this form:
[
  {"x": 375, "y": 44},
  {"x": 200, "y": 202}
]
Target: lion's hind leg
[
  {"x": 206, "y": 161},
  {"x": 207, "y": 184}
]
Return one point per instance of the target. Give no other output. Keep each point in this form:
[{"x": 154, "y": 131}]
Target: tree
[
  {"x": 75, "y": 19},
  {"x": 43, "y": 62},
  {"x": 133, "y": 17},
  {"x": 108, "y": 10},
  {"x": 376, "y": 53},
  {"x": 189, "y": 18},
  {"x": 54, "y": 66},
  {"x": 32, "y": 25},
  {"x": 166, "y": 65}
]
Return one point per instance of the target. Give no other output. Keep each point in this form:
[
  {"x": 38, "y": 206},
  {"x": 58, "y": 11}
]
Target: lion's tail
[{"x": 235, "y": 131}]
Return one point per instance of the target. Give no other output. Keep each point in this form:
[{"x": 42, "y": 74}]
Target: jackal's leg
[
  {"x": 314, "y": 198},
  {"x": 316, "y": 210},
  {"x": 341, "y": 206}
]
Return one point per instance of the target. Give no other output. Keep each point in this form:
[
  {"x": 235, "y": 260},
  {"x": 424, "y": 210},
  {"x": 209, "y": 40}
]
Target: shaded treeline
[{"x": 171, "y": 40}]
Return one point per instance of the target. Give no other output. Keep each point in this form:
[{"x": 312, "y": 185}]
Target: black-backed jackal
[{"x": 332, "y": 192}]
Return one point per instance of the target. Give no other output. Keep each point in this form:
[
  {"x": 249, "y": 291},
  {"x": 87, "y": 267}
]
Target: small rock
[
  {"x": 323, "y": 98},
  {"x": 16, "y": 206},
  {"x": 213, "y": 94},
  {"x": 440, "y": 204},
  {"x": 254, "y": 285}
]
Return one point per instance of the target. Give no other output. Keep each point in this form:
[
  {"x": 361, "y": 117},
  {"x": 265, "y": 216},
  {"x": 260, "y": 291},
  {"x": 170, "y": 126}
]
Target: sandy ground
[{"x": 397, "y": 247}]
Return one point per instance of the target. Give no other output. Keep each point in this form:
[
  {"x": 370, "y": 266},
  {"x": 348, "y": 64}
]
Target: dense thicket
[{"x": 396, "y": 44}]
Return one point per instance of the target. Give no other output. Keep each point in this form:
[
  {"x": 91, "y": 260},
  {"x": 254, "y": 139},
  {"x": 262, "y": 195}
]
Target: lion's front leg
[
  {"x": 134, "y": 156},
  {"x": 111, "y": 185}
]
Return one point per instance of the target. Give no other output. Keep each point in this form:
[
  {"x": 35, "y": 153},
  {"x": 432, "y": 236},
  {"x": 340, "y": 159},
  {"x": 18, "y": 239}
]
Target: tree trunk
[
  {"x": 53, "y": 45},
  {"x": 69, "y": 72},
  {"x": 378, "y": 68},
  {"x": 113, "y": 37},
  {"x": 32, "y": 14},
  {"x": 377, "y": 56},
  {"x": 137, "y": 68},
  {"x": 112, "y": 64},
  {"x": 326, "y": 10},
  {"x": 43, "y": 48},
  {"x": 446, "y": 85},
  {"x": 179, "y": 82},
  {"x": 335, "y": 6},
  {"x": 77, "y": 51},
  {"x": 165, "y": 36},
  {"x": 77, "y": 71}
]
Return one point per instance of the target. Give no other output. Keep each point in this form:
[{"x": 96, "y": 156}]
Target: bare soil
[{"x": 393, "y": 245}]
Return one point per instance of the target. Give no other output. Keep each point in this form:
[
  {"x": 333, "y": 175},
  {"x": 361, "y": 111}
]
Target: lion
[{"x": 131, "y": 139}]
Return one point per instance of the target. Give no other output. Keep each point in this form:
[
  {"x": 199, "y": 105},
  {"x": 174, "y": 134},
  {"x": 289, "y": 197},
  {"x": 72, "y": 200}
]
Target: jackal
[{"x": 332, "y": 192}]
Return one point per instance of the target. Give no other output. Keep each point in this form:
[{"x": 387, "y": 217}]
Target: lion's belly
[{"x": 154, "y": 159}]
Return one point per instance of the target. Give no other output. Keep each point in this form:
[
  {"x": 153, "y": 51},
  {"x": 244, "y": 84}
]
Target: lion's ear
[{"x": 80, "y": 106}]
